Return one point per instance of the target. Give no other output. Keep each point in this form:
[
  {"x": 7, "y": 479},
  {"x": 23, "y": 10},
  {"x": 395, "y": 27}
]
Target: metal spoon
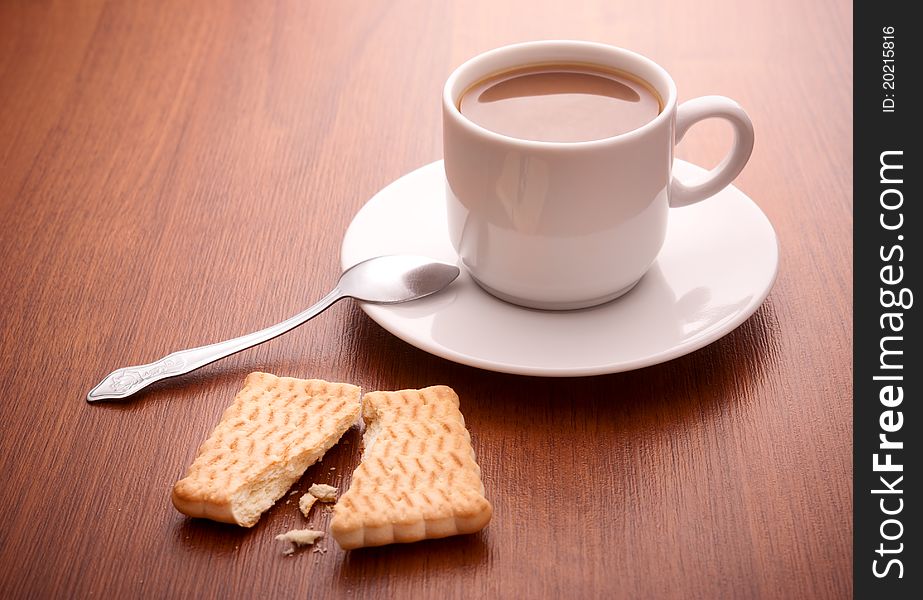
[{"x": 382, "y": 280}]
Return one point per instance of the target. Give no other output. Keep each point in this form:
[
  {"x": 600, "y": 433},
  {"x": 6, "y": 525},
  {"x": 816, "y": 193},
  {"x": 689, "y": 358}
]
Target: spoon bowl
[{"x": 396, "y": 278}]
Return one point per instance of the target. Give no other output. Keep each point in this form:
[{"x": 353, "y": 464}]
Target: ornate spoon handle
[{"x": 124, "y": 382}]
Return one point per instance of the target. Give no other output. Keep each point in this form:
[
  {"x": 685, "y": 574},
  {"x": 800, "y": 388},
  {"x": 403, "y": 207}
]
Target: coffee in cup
[{"x": 561, "y": 102}]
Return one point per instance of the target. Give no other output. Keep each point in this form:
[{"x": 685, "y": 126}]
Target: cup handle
[{"x": 691, "y": 112}]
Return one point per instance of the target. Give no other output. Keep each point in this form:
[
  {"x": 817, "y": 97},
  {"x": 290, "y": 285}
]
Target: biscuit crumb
[
  {"x": 298, "y": 537},
  {"x": 323, "y": 492},
  {"x": 305, "y": 504}
]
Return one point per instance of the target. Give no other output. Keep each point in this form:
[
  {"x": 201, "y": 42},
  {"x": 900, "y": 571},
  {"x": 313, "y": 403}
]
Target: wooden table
[{"x": 174, "y": 173}]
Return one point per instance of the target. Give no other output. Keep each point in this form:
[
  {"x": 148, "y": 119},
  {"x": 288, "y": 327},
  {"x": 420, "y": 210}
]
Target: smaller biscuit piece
[
  {"x": 305, "y": 503},
  {"x": 323, "y": 492},
  {"x": 299, "y": 537},
  {"x": 418, "y": 478},
  {"x": 275, "y": 429}
]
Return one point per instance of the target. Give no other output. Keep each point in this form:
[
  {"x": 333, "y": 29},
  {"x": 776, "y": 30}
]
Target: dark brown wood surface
[{"x": 175, "y": 173}]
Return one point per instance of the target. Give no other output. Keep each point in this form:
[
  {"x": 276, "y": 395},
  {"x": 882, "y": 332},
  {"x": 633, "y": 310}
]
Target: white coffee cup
[{"x": 564, "y": 225}]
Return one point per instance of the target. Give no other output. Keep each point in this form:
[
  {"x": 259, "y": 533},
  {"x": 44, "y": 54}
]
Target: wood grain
[{"x": 173, "y": 173}]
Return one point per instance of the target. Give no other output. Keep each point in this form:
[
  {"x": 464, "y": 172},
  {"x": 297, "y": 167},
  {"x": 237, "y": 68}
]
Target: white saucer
[{"x": 716, "y": 267}]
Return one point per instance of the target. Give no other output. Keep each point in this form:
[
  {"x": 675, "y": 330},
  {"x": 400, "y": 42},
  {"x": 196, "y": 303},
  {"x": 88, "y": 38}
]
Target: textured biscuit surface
[
  {"x": 275, "y": 429},
  {"x": 418, "y": 478}
]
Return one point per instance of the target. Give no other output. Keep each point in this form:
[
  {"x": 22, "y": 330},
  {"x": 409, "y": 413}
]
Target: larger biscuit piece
[
  {"x": 276, "y": 428},
  {"x": 418, "y": 478}
]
